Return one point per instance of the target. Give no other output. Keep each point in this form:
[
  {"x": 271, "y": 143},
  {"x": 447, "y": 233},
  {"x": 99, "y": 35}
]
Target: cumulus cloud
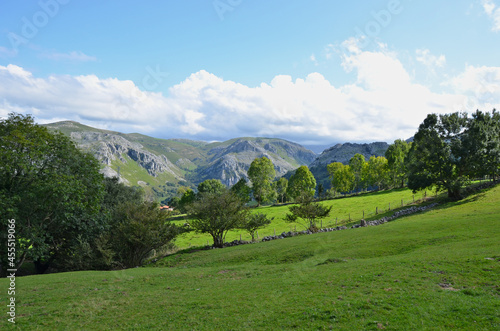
[
  {"x": 383, "y": 103},
  {"x": 493, "y": 11}
]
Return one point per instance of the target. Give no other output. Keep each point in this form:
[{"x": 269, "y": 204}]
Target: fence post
[
  {"x": 349, "y": 217},
  {"x": 363, "y": 214},
  {"x": 321, "y": 224},
  {"x": 389, "y": 206},
  {"x": 257, "y": 234},
  {"x": 274, "y": 231},
  {"x": 402, "y": 203},
  {"x": 414, "y": 198},
  {"x": 240, "y": 236},
  {"x": 376, "y": 211}
]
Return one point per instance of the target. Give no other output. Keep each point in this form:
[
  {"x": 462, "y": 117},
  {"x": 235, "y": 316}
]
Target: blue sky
[{"x": 314, "y": 72}]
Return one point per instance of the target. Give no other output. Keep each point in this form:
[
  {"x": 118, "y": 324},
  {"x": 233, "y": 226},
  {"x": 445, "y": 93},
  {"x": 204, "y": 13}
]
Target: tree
[
  {"x": 52, "y": 189},
  {"x": 482, "y": 142},
  {"x": 187, "y": 198},
  {"x": 342, "y": 177},
  {"x": 255, "y": 222},
  {"x": 261, "y": 174},
  {"x": 281, "y": 187},
  {"x": 211, "y": 186},
  {"x": 307, "y": 212},
  {"x": 141, "y": 229},
  {"x": 242, "y": 190},
  {"x": 377, "y": 172},
  {"x": 396, "y": 155},
  {"x": 216, "y": 214},
  {"x": 358, "y": 165},
  {"x": 437, "y": 156},
  {"x": 302, "y": 183}
]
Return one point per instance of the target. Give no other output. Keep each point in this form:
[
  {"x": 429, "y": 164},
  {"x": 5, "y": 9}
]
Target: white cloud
[
  {"x": 71, "y": 56},
  {"x": 480, "y": 85},
  {"x": 431, "y": 61},
  {"x": 493, "y": 11},
  {"x": 383, "y": 104}
]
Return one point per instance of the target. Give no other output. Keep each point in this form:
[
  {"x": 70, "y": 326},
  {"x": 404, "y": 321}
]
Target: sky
[{"x": 316, "y": 72}]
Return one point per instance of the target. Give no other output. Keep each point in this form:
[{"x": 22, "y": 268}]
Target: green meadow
[
  {"x": 436, "y": 270},
  {"x": 345, "y": 211}
]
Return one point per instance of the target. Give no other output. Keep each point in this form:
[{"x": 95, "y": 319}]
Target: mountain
[
  {"x": 343, "y": 153},
  {"x": 165, "y": 164}
]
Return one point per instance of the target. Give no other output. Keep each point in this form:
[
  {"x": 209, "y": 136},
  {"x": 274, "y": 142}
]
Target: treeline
[{"x": 67, "y": 216}]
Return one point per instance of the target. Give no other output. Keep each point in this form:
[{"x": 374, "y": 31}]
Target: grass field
[
  {"x": 343, "y": 209},
  {"x": 437, "y": 270}
]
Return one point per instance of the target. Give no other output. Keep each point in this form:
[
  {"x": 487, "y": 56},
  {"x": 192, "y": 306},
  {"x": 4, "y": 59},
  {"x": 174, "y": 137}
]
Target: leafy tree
[
  {"x": 141, "y": 229},
  {"x": 261, "y": 174},
  {"x": 211, "y": 186},
  {"x": 437, "y": 156},
  {"x": 216, "y": 214},
  {"x": 342, "y": 177},
  {"x": 377, "y": 172},
  {"x": 187, "y": 198},
  {"x": 307, "y": 212},
  {"x": 281, "y": 187},
  {"x": 482, "y": 142},
  {"x": 52, "y": 189},
  {"x": 396, "y": 155},
  {"x": 358, "y": 166},
  {"x": 255, "y": 222},
  {"x": 301, "y": 183},
  {"x": 242, "y": 190}
]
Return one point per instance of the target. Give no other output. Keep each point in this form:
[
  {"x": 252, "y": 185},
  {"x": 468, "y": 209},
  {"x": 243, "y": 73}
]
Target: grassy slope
[
  {"x": 437, "y": 270},
  {"x": 339, "y": 215}
]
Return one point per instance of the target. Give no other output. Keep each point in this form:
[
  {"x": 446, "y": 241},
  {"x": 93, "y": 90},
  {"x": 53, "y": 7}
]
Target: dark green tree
[
  {"x": 261, "y": 173},
  {"x": 211, "y": 186},
  {"x": 187, "y": 198},
  {"x": 140, "y": 229},
  {"x": 53, "y": 190},
  {"x": 437, "y": 156},
  {"x": 216, "y": 214},
  {"x": 242, "y": 190},
  {"x": 301, "y": 183},
  {"x": 482, "y": 142}
]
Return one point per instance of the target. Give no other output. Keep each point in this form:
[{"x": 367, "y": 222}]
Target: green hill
[{"x": 437, "y": 270}]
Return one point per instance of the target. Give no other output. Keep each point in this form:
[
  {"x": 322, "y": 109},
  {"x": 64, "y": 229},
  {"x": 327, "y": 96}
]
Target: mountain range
[{"x": 162, "y": 165}]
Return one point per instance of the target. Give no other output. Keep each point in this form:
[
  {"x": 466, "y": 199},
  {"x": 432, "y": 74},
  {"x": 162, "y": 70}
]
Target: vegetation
[
  {"x": 308, "y": 211},
  {"x": 216, "y": 214},
  {"x": 302, "y": 183},
  {"x": 254, "y": 222},
  {"x": 261, "y": 174},
  {"x": 437, "y": 270}
]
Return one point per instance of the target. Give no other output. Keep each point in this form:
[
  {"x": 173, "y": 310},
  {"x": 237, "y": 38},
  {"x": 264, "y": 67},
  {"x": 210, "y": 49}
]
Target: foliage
[
  {"x": 141, "y": 229},
  {"x": 52, "y": 189},
  {"x": 308, "y": 211},
  {"x": 482, "y": 142},
  {"x": 242, "y": 190},
  {"x": 358, "y": 164},
  {"x": 216, "y": 214},
  {"x": 281, "y": 187},
  {"x": 261, "y": 173},
  {"x": 301, "y": 183},
  {"x": 437, "y": 157},
  {"x": 342, "y": 177},
  {"x": 254, "y": 222},
  {"x": 377, "y": 172},
  {"x": 396, "y": 155},
  {"x": 187, "y": 198},
  {"x": 211, "y": 186}
]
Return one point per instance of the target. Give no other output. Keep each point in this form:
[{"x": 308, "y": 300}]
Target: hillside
[
  {"x": 163, "y": 164},
  {"x": 343, "y": 153},
  {"x": 435, "y": 270}
]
